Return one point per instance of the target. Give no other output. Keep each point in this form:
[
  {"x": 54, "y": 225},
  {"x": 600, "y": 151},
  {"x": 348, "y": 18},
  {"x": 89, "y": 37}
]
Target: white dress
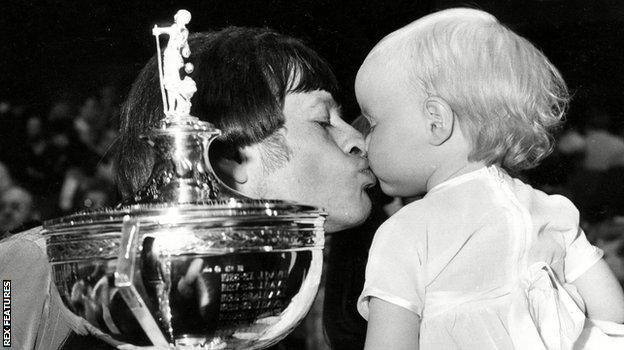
[{"x": 485, "y": 261}]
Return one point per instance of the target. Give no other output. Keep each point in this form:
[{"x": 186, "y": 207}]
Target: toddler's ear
[{"x": 439, "y": 119}]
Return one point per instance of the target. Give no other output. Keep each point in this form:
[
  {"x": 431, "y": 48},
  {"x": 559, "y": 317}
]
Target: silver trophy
[{"x": 188, "y": 262}]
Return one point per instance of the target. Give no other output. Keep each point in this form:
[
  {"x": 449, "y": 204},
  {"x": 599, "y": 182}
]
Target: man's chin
[{"x": 348, "y": 219}]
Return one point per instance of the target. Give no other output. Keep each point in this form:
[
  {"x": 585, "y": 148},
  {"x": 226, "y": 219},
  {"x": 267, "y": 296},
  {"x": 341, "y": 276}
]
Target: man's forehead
[{"x": 311, "y": 100}]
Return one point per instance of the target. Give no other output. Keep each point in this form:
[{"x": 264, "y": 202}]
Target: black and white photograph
[{"x": 312, "y": 174}]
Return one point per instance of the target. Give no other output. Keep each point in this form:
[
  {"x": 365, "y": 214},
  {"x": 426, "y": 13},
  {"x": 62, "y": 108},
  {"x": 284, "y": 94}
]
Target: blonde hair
[{"x": 506, "y": 94}]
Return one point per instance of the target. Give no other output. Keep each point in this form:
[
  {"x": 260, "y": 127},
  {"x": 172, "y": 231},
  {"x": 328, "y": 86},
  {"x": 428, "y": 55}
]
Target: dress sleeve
[
  {"x": 392, "y": 270},
  {"x": 580, "y": 254}
]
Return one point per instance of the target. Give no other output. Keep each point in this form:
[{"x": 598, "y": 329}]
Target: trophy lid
[{"x": 183, "y": 187}]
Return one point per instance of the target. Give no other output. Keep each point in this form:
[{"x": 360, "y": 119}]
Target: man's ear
[
  {"x": 439, "y": 119},
  {"x": 229, "y": 164},
  {"x": 232, "y": 171}
]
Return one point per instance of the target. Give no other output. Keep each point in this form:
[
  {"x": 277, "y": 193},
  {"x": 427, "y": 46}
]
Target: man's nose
[{"x": 354, "y": 143}]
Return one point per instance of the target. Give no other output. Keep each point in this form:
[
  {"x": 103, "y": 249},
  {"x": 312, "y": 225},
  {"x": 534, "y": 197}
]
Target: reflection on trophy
[{"x": 189, "y": 262}]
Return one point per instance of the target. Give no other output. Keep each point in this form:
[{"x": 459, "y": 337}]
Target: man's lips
[{"x": 371, "y": 179}]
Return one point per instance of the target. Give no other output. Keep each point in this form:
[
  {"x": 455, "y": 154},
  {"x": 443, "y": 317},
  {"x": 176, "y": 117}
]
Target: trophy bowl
[{"x": 231, "y": 274}]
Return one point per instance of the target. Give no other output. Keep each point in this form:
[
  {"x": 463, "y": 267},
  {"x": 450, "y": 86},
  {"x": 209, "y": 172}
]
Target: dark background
[
  {"x": 62, "y": 49},
  {"x": 67, "y": 50}
]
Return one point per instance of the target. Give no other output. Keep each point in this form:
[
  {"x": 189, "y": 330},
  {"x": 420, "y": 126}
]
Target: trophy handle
[{"x": 124, "y": 275}]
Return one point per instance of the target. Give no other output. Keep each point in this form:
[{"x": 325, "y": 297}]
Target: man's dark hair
[{"x": 242, "y": 77}]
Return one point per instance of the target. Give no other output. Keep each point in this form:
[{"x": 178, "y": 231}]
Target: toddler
[{"x": 456, "y": 102}]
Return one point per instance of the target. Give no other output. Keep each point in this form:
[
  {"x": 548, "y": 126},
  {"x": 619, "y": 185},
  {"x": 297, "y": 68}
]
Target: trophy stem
[{"x": 182, "y": 172}]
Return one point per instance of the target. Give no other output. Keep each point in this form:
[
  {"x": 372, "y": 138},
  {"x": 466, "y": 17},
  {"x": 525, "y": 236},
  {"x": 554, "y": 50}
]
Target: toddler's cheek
[
  {"x": 375, "y": 165},
  {"x": 389, "y": 189}
]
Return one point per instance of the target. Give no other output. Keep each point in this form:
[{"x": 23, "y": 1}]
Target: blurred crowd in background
[
  {"x": 587, "y": 166},
  {"x": 57, "y": 160}
]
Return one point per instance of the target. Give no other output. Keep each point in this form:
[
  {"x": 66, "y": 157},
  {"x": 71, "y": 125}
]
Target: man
[{"x": 283, "y": 138}]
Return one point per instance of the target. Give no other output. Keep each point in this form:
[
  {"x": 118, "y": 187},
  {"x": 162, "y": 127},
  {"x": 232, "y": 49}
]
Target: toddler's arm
[
  {"x": 602, "y": 293},
  {"x": 391, "y": 327}
]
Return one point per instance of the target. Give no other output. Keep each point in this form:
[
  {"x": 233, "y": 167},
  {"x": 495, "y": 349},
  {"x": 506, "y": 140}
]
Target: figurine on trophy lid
[
  {"x": 178, "y": 91},
  {"x": 182, "y": 170}
]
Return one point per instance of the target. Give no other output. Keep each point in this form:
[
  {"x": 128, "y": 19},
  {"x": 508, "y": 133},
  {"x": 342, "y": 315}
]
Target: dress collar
[{"x": 457, "y": 180}]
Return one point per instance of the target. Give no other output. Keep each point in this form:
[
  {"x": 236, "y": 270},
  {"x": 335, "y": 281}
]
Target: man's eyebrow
[
  {"x": 314, "y": 103},
  {"x": 335, "y": 105},
  {"x": 339, "y": 109},
  {"x": 332, "y": 105},
  {"x": 324, "y": 102}
]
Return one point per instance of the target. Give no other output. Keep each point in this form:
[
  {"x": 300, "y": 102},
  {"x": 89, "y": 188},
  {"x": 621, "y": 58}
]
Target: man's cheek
[{"x": 312, "y": 171}]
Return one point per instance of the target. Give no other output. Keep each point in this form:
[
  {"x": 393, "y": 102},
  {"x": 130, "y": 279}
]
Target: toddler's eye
[
  {"x": 370, "y": 127},
  {"x": 371, "y": 121}
]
